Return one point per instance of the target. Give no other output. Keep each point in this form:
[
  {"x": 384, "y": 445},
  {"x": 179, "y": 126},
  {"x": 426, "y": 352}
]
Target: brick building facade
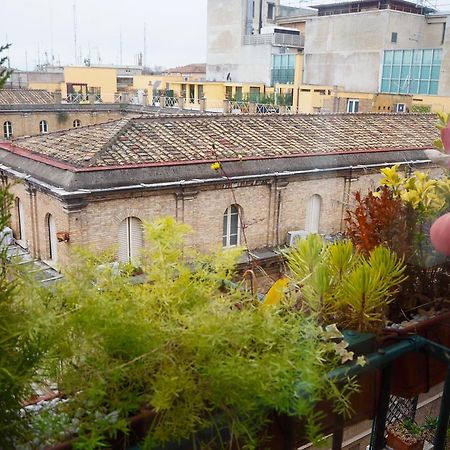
[{"x": 95, "y": 185}]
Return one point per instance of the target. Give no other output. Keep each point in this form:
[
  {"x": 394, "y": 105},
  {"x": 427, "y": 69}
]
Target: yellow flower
[
  {"x": 391, "y": 177},
  {"x": 332, "y": 332},
  {"x": 411, "y": 197},
  {"x": 216, "y": 166},
  {"x": 361, "y": 361}
]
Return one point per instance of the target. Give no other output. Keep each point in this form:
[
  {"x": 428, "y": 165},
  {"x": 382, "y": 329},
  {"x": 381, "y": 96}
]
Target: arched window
[
  {"x": 43, "y": 126},
  {"x": 7, "y": 129},
  {"x": 51, "y": 238},
  {"x": 131, "y": 240},
  {"x": 313, "y": 213},
  {"x": 77, "y": 123},
  {"x": 20, "y": 217},
  {"x": 231, "y": 226}
]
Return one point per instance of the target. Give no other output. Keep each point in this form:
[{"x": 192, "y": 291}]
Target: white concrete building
[
  {"x": 371, "y": 46},
  {"x": 242, "y": 40}
]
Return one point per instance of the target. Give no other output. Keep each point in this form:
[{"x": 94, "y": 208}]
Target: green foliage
[
  {"x": 338, "y": 285},
  {"x": 421, "y": 109},
  {"x": 378, "y": 219},
  {"x": 179, "y": 344},
  {"x": 23, "y": 341},
  {"x": 4, "y": 73},
  {"x": 398, "y": 215}
]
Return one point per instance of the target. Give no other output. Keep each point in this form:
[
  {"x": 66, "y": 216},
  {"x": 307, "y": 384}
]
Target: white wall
[{"x": 347, "y": 49}]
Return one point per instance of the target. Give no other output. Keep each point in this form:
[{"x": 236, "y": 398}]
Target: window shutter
[
  {"x": 123, "y": 242},
  {"x": 313, "y": 214},
  {"x": 136, "y": 239},
  {"x": 131, "y": 240}
]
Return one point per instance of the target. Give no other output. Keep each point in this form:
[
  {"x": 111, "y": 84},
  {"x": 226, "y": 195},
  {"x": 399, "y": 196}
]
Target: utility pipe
[{"x": 170, "y": 184}]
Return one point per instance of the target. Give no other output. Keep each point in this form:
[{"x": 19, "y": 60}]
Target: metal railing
[
  {"x": 240, "y": 107},
  {"x": 76, "y": 98},
  {"x": 383, "y": 360},
  {"x": 285, "y": 40}
]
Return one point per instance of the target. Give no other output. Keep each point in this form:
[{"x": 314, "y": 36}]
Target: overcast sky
[{"x": 175, "y": 31}]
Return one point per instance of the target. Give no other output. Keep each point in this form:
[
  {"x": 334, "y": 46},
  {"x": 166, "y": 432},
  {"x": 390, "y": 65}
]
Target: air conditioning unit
[
  {"x": 6, "y": 237},
  {"x": 400, "y": 107},
  {"x": 292, "y": 236}
]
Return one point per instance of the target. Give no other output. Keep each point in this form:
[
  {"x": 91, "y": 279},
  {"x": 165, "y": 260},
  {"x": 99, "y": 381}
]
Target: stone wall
[{"x": 26, "y": 123}]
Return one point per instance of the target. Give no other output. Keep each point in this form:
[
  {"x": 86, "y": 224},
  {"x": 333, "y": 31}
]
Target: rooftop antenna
[
  {"x": 145, "y": 45},
  {"x": 52, "y": 53},
  {"x": 75, "y": 31},
  {"x": 38, "y": 55},
  {"x": 120, "y": 47}
]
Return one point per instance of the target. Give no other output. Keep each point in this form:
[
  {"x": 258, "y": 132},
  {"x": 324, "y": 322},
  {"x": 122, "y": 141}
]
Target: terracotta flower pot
[{"x": 396, "y": 443}]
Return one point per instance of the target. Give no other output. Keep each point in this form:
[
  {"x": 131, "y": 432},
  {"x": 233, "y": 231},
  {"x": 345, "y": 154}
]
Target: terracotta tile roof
[
  {"x": 25, "y": 97},
  {"x": 168, "y": 139},
  {"x": 190, "y": 68}
]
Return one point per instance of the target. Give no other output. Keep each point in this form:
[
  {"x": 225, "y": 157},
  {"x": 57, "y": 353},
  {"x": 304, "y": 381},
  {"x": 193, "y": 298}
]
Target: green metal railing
[{"x": 383, "y": 359}]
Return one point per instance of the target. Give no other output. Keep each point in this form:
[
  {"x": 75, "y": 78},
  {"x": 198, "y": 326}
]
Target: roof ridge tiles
[{"x": 113, "y": 139}]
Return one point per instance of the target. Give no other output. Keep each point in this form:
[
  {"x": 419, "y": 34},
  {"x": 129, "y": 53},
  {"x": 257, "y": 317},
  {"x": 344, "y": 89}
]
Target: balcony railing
[{"x": 285, "y": 40}]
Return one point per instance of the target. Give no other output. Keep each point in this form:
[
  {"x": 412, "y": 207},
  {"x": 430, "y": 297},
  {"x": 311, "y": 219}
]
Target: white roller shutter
[
  {"x": 313, "y": 214},
  {"x": 136, "y": 239},
  {"x": 131, "y": 240}
]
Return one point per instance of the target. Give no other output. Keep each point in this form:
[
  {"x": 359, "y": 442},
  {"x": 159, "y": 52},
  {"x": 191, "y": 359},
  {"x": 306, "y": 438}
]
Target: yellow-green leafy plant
[
  {"x": 197, "y": 355},
  {"x": 24, "y": 339},
  {"x": 336, "y": 284},
  {"x": 427, "y": 196}
]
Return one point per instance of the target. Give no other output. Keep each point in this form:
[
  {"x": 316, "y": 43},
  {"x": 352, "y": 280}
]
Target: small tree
[{"x": 4, "y": 73}]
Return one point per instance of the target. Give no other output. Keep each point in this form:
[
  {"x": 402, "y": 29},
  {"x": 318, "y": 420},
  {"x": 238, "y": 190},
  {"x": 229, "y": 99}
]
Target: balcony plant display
[
  {"x": 337, "y": 284},
  {"x": 429, "y": 430},
  {"x": 334, "y": 283},
  {"x": 399, "y": 215},
  {"x": 181, "y": 350},
  {"x": 405, "y": 435}
]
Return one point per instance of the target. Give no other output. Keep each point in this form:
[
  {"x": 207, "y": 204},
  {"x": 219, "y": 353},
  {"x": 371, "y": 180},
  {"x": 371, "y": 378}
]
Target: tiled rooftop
[
  {"x": 191, "y": 138},
  {"x": 25, "y": 97},
  {"x": 190, "y": 68}
]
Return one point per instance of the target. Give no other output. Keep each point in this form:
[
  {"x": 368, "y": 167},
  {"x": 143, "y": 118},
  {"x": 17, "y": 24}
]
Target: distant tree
[{"x": 4, "y": 72}]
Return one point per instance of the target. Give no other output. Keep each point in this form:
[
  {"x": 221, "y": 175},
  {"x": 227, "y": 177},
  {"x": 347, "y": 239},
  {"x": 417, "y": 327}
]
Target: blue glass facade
[
  {"x": 411, "y": 71},
  {"x": 283, "y": 69}
]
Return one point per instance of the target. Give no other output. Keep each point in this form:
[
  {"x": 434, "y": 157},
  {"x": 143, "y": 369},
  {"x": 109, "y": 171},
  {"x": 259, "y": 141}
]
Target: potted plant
[
  {"x": 399, "y": 215},
  {"x": 199, "y": 362},
  {"x": 405, "y": 435},
  {"x": 334, "y": 283}
]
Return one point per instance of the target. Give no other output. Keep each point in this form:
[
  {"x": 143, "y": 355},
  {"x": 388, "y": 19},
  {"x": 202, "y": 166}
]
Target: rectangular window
[
  {"x": 254, "y": 94},
  {"x": 229, "y": 92},
  {"x": 283, "y": 69},
  {"x": 352, "y": 106},
  {"x": 411, "y": 71},
  {"x": 271, "y": 11},
  {"x": 394, "y": 38},
  {"x": 238, "y": 93}
]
